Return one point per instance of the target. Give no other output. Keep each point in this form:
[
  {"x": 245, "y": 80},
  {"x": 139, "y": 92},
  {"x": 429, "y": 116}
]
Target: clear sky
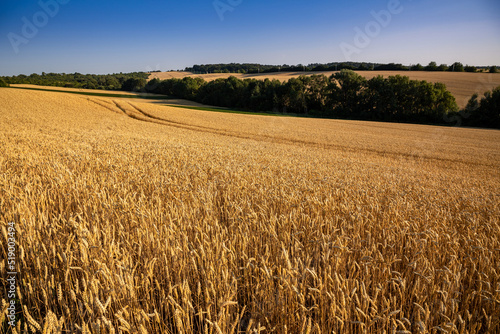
[{"x": 108, "y": 36}]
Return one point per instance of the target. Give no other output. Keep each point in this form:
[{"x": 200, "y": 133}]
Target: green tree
[
  {"x": 443, "y": 67},
  {"x": 3, "y": 83},
  {"x": 315, "y": 91},
  {"x": 295, "y": 95},
  {"x": 417, "y": 67},
  {"x": 111, "y": 82},
  {"x": 456, "y": 67},
  {"x": 493, "y": 69},
  {"x": 380, "y": 101},
  {"x": 153, "y": 86},
  {"x": 254, "y": 93},
  {"x": 470, "y": 68},
  {"x": 187, "y": 87},
  {"x": 432, "y": 66},
  {"x": 472, "y": 104},
  {"x": 345, "y": 92},
  {"x": 401, "y": 99},
  {"x": 442, "y": 102},
  {"x": 134, "y": 84},
  {"x": 485, "y": 113}
]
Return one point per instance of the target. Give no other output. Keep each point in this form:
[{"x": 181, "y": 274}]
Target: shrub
[
  {"x": 484, "y": 113},
  {"x": 470, "y": 68},
  {"x": 134, "y": 84}
]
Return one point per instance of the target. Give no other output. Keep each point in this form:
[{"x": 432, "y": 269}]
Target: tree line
[
  {"x": 344, "y": 94},
  {"x": 118, "y": 81},
  {"x": 355, "y": 66}
]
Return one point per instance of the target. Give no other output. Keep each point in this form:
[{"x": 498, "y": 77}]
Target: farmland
[
  {"x": 135, "y": 216},
  {"x": 462, "y": 85}
]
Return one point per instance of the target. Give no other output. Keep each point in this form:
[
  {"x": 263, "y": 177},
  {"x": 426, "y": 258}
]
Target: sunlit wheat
[{"x": 135, "y": 217}]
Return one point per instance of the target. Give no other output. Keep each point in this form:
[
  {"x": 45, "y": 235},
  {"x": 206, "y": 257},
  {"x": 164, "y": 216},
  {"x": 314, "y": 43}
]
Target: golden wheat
[{"x": 201, "y": 222}]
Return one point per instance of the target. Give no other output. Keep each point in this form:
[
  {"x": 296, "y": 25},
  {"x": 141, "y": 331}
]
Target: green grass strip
[{"x": 233, "y": 111}]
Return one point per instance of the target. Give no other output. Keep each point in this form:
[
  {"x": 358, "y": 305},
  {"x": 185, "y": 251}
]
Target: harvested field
[{"x": 132, "y": 216}]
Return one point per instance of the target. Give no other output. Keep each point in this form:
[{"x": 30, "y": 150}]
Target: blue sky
[{"x": 130, "y": 35}]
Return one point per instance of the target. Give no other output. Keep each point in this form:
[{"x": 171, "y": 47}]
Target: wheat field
[{"x": 141, "y": 218}]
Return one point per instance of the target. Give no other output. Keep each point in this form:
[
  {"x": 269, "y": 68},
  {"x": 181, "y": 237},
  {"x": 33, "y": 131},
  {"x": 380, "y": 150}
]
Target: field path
[{"x": 276, "y": 130}]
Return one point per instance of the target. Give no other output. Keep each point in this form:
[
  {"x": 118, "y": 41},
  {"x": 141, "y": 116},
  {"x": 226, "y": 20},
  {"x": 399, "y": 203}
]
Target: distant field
[
  {"x": 132, "y": 216},
  {"x": 461, "y": 85}
]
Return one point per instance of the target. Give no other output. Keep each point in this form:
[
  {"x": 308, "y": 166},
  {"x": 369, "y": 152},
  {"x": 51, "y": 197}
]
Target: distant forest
[
  {"x": 118, "y": 81},
  {"x": 258, "y": 68}
]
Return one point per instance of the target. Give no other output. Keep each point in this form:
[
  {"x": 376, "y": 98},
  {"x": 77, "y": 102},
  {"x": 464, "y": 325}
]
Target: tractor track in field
[{"x": 136, "y": 113}]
